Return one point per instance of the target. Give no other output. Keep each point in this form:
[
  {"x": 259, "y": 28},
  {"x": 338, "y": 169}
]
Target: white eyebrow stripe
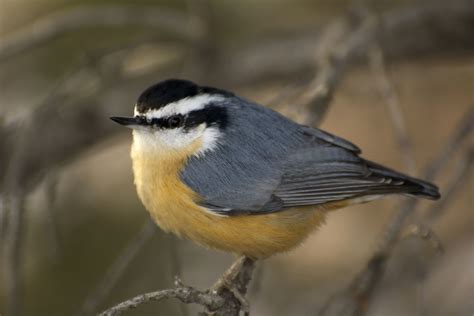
[{"x": 183, "y": 106}]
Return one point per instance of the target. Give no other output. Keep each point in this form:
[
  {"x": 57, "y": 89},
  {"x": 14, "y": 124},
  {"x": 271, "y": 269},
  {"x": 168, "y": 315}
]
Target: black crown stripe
[{"x": 172, "y": 90}]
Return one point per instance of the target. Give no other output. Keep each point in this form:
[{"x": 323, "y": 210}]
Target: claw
[{"x": 244, "y": 304}]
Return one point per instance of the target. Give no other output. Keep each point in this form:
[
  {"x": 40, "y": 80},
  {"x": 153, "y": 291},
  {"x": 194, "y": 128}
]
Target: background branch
[
  {"x": 456, "y": 181},
  {"x": 356, "y": 298},
  {"x": 62, "y": 22},
  {"x": 117, "y": 269},
  {"x": 387, "y": 92},
  {"x": 186, "y": 295},
  {"x": 335, "y": 53}
]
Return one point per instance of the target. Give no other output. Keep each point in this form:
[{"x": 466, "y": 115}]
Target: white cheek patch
[
  {"x": 210, "y": 140},
  {"x": 176, "y": 139},
  {"x": 166, "y": 139},
  {"x": 183, "y": 106}
]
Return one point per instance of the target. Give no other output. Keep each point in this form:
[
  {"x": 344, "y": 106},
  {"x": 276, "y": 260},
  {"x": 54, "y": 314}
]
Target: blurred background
[{"x": 75, "y": 238}]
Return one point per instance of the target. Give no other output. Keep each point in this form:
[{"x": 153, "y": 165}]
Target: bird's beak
[{"x": 130, "y": 122}]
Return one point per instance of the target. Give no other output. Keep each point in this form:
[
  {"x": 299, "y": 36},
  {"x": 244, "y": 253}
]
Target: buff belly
[{"x": 173, "y": 207}]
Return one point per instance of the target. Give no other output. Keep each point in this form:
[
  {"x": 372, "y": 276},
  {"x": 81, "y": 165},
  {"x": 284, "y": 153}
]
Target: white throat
[{"x": 165, "y": 141}]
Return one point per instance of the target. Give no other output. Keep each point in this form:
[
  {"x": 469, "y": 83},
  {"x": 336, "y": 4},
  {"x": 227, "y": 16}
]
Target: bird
[{"x": 236, "y": 176}]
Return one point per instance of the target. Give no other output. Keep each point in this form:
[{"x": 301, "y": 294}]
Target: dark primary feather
[
  {"x": 266, "y": 163},
  {"x": 324, "y": 175}
]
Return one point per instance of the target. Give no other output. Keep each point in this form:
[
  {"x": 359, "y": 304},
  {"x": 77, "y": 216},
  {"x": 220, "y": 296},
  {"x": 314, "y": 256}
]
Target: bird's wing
[{"x": 324, "y": 174}]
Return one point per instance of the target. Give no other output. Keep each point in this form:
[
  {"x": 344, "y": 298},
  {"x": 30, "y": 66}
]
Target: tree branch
[
  {"x": 116, "y": 270},
  {"x": 225, "y": 298},
  {"x": 68, "y": 20},
  {"x": 338, "y": 47},
  {"x": 186, "y": 295},
  {"x": 12, "y": 270},
  {"x": 457, "y": 179},
  {"x": 356, "y": 298},
  {"x": 417, "y": 29},
  {"x": 387, "y": 92}
]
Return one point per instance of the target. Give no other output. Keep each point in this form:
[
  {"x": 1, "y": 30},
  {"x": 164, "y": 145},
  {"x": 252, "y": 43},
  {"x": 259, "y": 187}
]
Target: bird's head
[{"x": 174, "y": 114}]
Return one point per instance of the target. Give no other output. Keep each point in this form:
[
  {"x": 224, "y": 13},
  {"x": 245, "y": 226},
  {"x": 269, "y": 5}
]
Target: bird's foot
[{"x": 228, "y": 282}]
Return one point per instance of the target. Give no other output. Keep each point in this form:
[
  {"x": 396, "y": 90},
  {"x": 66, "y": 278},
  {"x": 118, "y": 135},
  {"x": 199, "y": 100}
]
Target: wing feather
[{"x": 325, "y": 174}]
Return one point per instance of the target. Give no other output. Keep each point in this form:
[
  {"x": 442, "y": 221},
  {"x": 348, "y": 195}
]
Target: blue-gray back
[{"x": 266, "y": 163}]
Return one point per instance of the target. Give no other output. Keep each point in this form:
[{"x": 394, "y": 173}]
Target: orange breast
[{"x": 173, "y": 206}]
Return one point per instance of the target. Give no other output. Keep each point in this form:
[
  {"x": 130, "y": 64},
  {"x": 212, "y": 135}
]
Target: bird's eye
[
  {"x": 140, "y": 119},
  {"x": 175, "y": 121}
]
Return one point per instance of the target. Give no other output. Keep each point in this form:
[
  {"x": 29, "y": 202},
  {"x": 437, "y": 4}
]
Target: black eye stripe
[
  {"x": 173, "y": 121},
  {"x": 158, "y": 122},
  {"x": 211, "y": 115}
]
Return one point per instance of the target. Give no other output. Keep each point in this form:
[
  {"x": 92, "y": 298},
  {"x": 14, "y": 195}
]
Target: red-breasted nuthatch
[{"x": 233, "y": 175}]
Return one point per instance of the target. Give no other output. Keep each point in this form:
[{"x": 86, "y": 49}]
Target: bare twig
[
  {"x": 68, "y": 20},
  {"x": 334, "y": 56},
  {"x": 465, "y": 129},
  {"x": 457, "y": 179},
  {"x": 3, "y": 219},
  {"x": 225, "y": 298},
  {"x": 425, "y": 233},
  {"x": 51, "y": 229},
  {"x": 12, "y": 253},
  {"x": 387, "y": 92},
  {"x": 421, "y": 225},
  {"x": 186, "y": 295},
  {"x": 117, "y": 269},
  {"x": 356, "y": 298},
  {"x": 14, "y": 194}
]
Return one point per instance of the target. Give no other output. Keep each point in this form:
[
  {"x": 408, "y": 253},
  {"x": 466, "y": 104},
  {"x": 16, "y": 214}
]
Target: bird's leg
[
  {"x": 229, "y": 276},
  {"x": 235, "y": 280}
]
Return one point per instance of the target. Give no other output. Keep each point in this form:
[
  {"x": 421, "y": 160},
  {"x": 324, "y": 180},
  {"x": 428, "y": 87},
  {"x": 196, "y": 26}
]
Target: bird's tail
[{"x": 405, "y": 183}]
